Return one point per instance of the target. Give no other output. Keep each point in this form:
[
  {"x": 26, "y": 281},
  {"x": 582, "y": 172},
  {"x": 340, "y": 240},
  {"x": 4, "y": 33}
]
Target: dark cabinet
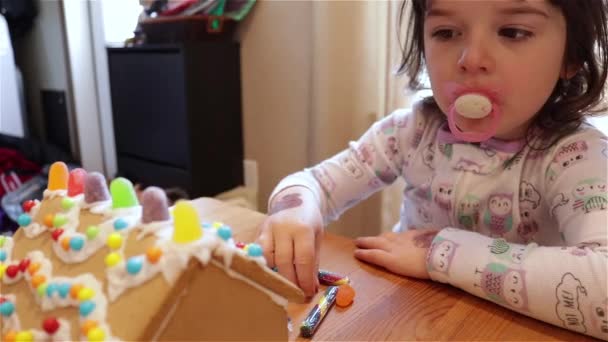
[{"x": 177, "y": 115}]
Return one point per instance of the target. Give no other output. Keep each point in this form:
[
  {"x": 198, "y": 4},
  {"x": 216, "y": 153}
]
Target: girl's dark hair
[{"x": 571, "y": 100}]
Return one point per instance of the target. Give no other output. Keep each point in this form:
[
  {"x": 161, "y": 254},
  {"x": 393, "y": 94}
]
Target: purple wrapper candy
[
  {"x": 95, "y": 188},
  {"x": 155, "y": 205}
]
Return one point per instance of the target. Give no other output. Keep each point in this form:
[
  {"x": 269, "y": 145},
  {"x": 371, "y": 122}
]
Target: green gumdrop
[
  {"x": 123, "y": 194},
  {"x": 2, "y": 239},
  {"x": 42, "y": 289},
  {"x": 59, "y": 220}
]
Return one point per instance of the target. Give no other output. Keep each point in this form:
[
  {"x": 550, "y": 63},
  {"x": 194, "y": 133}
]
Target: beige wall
[{"x": 314, "y": 77}]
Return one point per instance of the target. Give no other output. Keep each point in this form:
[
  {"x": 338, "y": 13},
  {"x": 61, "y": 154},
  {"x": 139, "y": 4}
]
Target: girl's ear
[{"x": 569, "y": 70}]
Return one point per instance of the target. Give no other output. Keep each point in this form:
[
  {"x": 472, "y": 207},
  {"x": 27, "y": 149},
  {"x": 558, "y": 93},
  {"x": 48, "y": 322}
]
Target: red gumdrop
[
  {"x": 56, "y": 234},
  {"x": 240, "y": 245},
  {"x": 27, "y": 205},
  {"x": 24, "y": 264},
  {"x": 76, "y": 182},
  {"x": 12, "y": 271},
  {"x": 2, "y": 300},
  {"x": 50, "y": 325}
]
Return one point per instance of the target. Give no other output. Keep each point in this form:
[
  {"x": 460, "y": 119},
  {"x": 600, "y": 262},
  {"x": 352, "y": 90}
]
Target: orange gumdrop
[
  {"x": 345, "y": 296},
  {"x": 58, "y": 176},
  {"x": 65, "y": 243},
  {"x": 75, "y": 290},
  {"x": 33, "y": 268},
  {"x": 48, "y": 220},
  {"x": 10, "y": 336}
]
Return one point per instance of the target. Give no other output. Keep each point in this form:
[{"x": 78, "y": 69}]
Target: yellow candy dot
[
  {"x": 2, "y": 270},
  {"x": 112, "y": 259},
  {"x": 24, "y": 336},
  {"x": 246, "y": 248},
  {"x": 114, "y": 241},
  {"x": 87, "y": 326},
  {"x": 217, "y": 224},
  {"x": 86, "y": 293},
  {"x": 96, "y": 334}
]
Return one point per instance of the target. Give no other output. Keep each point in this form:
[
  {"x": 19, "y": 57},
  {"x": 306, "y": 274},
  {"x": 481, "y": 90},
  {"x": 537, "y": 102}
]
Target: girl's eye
[
  {"x": 515, "y": 33},
  {"x": 444, "y": 34}
]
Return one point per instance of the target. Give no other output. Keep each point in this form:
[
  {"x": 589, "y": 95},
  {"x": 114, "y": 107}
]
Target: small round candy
[
  {"x": 48, "y": 220},
  {"x": 134, "y": 265},
  {"x": 63, "y": 289},
  {"x": 473, "y": 106},
  {"x": 224, "y": 232},
  {"x": 7, "y": 308},
  {"x": 2, "y": 239},
  {"x": 96, "y": 334},
  {"x": 87, "y": 326},
  {"x": 74, "y": 290},
  {"x": 10, "y": 336},
  {"x": 112, "y": 259},
  {"x": 24, "y": 220},
  {"x": 12, "y": 271},
  {"x": 28, "y": 205},
  {"x": 50, "y": 289},
  {"x": 76, "y": 243},
  {"x": 92, "y": 232},
  {"x": 255, "y": 250},
  {"x": 2, "y": 270},
  {"x": 50, "y": 325},
  {"x": 86, "y": 294},
  {"x": 56, "y": 234},
  {"x": 240, "y": 245},
  {"x": 42, "y": 289},
  {"x": 59, "y": 220},
  {"x": 120, "y": 224},
  {"x": 24, "y": 264},
  {"x": 114, "y": 241},
  {"x": 206, "y": 225},
  {"x": 67, "y": 203},
  {"x": 153, "y": 254},
  {"x": 2, "y": 255},
  {"x": 24, "y": 336},
  {"x": 37, "y": 280},
  {"x": 33, "y": 268},
  {"x": 65, "y": 243},
  {"x": 86, "y": 307}
]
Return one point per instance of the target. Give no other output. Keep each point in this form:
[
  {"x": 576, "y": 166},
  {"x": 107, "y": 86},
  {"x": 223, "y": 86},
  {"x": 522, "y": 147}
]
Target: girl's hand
[
  {"x": 291, "y": 237},
  {"x": 401, "y": 253}
]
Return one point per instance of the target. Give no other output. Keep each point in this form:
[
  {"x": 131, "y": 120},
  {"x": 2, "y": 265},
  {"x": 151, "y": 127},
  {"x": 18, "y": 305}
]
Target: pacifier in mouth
[{"x": 474, "y": 106}]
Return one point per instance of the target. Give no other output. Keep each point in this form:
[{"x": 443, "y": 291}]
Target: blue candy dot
[
  {"x": 224, "y": 232},
  {"x": 120, "y": 224},
  {"x": 255, "y": 250},
  {"x": 24, "y": 220},
  {"x": 134, "y": 265},
  {"x": 86, "y": 307},
  {"x": 206, "y": 225},
  {"x": 76, "y": 242},
  {"x": 7, "y": 308},
  {"x": 52, "y": 288},
  {"x": 63, "y": 289},
  {"x": 2, "y": 255}
]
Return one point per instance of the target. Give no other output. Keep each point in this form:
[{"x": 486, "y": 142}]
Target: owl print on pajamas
[
  {"x": 504, "y": 285},
  {"x": 324, "y": 178},
  {"x": 392, "y": 149},
  {"x": 505, "y": 251},
  {"x": 468, "y": 165},
  {"x": 387, "y": 126},
  {"x": 468, "y": 212},
  {"x": 499, "y": 214},
  {"x": 527, "y": 227},
  {"x": 351, "y": 166},
  {"x": 441, "y": 255},
  {"x": 428, "y": 156},
  {"x": 590, "y": 195},
  {"x": 424, "y": 212},
  {"x": 568, "y": 156},
  {"x": 527, "y": 192},
  {"x": 598, "y": 315},
  {"x": 443, "y": 196},
  {"x": 446, "y": 149},
  {"x": 366, "y": 154}
]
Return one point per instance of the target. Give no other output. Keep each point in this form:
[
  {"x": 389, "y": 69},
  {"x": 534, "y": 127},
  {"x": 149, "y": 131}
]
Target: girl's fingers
[
  {"x": 283, "y": 256},
  {"x": 374, "y": 256},
  {"x": 372, "y": 242},
  {"x": 304, "y": 261},
  {"x": 266, "y": 241}
]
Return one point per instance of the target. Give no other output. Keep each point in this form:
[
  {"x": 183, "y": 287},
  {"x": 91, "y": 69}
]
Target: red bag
[{"x": 14, "y": 170}]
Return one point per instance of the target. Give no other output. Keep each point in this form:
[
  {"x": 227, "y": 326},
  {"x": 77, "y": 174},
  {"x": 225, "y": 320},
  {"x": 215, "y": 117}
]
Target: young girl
[{"x": 506, "y": 184}]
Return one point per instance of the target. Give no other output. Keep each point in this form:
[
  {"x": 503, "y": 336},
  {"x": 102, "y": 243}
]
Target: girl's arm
[{"x": 564, "y": 286}]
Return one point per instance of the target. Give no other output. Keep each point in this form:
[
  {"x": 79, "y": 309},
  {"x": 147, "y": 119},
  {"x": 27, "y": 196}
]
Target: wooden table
[{"x": 391, "y": 307}]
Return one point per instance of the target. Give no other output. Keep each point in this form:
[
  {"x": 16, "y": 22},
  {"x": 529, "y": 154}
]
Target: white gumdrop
[{"x": 473, "y": 106}]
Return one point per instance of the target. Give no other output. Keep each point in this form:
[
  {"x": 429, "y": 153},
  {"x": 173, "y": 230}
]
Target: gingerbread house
[{"x": 91, "y": 263}]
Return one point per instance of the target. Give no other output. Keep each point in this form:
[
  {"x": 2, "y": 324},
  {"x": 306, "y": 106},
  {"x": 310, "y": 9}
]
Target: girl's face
[{"x": 513, "y": 49}]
